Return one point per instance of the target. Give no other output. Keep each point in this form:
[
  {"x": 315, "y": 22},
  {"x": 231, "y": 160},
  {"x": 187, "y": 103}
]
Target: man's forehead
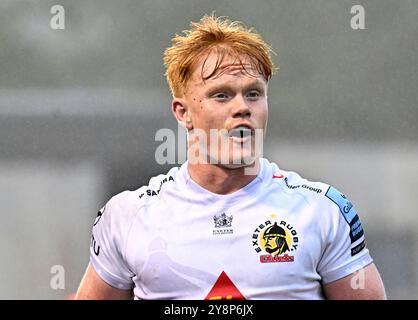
[
  {"x": 205, "y": 68},
  {"x": 232, "y": 64}
]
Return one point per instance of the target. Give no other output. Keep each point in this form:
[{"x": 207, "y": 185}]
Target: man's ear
[{"x": 181, "y": 112}]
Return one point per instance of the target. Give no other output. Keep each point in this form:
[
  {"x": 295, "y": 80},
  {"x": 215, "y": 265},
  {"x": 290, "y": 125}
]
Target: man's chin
[
  {"x": 242, "y": 162},
  {"x": 234, "y": 166}
]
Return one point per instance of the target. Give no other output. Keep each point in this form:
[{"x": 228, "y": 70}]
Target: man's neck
[{"x": 222, "y": 180}]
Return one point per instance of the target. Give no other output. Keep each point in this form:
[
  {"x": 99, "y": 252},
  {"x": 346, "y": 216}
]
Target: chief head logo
[{"x": 274, "y": 240}]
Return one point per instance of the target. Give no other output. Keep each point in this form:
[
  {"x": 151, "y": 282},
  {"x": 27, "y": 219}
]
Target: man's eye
[
  {"x": 253, "y": 94},
  {"x": 220, "y": 96}
]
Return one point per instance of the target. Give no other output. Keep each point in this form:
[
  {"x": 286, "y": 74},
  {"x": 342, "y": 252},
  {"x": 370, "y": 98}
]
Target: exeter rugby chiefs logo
[{"x": 276, "y": 240}]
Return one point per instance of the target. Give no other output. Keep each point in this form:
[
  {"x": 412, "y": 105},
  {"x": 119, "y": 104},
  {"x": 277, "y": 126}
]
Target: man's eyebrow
[
  {"x": 256, "y": 84},
  {"x": 227, "y": 86}
]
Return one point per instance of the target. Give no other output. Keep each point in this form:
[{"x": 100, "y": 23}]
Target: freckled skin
[
  {"x": 237, "y": 105},
  {"x": 236, "y": 94}
]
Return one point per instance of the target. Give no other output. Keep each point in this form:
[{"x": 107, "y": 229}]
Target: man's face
[
  {"x": 274, "y": 244},
  {"x": 271, "y": 244},
  {"x": 233, "y": 104}
]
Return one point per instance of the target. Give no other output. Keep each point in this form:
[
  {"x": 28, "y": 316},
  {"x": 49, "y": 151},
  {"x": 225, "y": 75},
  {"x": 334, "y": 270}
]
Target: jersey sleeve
[
  {"x": 109, "y": 233},
  {"x": 345, "y": 250}
]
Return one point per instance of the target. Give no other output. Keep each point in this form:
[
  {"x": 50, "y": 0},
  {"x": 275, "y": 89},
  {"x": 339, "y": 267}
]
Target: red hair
[{"x": 219, "y": 35}]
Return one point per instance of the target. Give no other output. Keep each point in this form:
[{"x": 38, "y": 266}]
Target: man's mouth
[{"x": 241, "y": 131}]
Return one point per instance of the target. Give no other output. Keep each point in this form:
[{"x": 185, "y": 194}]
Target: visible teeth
[{"x": 240, "y": 132}]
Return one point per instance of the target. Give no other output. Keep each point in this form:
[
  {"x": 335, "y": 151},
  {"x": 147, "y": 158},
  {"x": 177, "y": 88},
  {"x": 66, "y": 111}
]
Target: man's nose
[{"x": 240, "y": 108}]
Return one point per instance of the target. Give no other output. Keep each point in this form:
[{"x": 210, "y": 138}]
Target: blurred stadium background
[{"x": 79, "y": 109}]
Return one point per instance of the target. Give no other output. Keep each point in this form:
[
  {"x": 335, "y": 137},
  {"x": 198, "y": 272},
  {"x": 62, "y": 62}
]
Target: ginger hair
[{"x": 214, "y": 34}]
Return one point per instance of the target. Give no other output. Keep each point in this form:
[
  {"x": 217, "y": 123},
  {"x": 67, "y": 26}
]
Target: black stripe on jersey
[
  {"x": 356, "y": 230},
  {"x": 358, "y": 248}
]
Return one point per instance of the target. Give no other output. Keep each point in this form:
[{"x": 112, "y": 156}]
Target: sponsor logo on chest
[{"x": 275, "y": 241}]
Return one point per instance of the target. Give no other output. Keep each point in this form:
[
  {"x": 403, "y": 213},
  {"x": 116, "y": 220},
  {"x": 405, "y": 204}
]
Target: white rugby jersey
[{"x": 279, "y": 237}]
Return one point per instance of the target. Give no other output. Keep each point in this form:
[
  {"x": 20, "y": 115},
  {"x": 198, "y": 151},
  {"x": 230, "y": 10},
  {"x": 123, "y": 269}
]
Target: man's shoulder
[
  {"x": 130, "y": 201},
  {"x": 157, "y": 184},
  {"x": 292, "y": 183},
  {"x": 312, "y": 191}
]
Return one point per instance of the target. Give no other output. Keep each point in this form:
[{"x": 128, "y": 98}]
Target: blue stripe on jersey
[
  {"x": 348, "y": 212},
  {"x": 346, "y": 208}
]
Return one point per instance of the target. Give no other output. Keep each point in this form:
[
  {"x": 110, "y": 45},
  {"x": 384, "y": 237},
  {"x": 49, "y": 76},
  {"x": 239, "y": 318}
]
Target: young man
[{"x": 227, "y": 224}]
